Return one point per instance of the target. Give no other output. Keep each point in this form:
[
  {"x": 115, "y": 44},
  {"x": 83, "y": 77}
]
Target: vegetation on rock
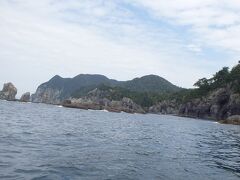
[{"x": 58, "y": 89}]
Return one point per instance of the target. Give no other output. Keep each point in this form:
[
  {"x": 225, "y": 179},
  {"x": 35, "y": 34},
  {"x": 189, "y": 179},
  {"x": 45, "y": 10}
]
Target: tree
[
  {"x": 235, "y": 73},
  {"x": 201, "y": 83},
  {"x": 221, "y": 77}
]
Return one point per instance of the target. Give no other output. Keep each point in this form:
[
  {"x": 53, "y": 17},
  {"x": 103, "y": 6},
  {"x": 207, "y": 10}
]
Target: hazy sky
[{"x": 180, "y": 40}]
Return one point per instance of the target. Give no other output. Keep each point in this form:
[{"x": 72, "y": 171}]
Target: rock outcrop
[
  {"x": 47, "y": 95},
  {"x": 165, "y": 107},
  {"x": 8, "y": 92},
  {"x": 219, "y": 105},
  {"x": 98, "y": 100},
  {"x": 222, "y": 104},
  {"x": 232, "y": 120},
  {"x": 25, "y": 97}
]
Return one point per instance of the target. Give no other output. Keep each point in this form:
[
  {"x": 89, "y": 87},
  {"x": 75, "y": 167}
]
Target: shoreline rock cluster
[
  {"x": 235, "y": 120},
  {"x": 9, "y": 93},
  {"x": 96, "y": 100},
  {"x": 222, "y": 104}
]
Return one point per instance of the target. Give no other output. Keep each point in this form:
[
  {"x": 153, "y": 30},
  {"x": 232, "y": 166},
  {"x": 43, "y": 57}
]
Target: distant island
[{"x": 217, "y": 98}]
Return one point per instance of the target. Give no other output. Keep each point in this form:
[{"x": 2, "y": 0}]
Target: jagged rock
[
  {"x": 218, "y": 105},
  {"x": 165, "y": 107},
  {"x": 126, "y": 105},
  {"x": 47, "y": 95},
  {"x": 98, "y": 100},
  {"x": 25, "y": 97},
  {"x": 8, "y": 92},
  {"x": 232, "y": 120}
]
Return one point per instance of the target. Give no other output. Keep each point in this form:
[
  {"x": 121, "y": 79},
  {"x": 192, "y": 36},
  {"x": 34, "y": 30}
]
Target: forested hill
[{"x": 58, "y": 88}]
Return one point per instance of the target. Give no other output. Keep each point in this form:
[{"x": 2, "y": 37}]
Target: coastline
[{"x": 113, "y": 111}]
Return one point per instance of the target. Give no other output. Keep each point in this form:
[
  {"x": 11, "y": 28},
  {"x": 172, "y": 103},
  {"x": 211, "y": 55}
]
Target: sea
[{"x": 48, "y": 142}]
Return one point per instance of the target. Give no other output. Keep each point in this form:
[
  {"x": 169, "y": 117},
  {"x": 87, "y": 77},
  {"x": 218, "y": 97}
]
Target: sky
[{"x": 180, "y": 40}]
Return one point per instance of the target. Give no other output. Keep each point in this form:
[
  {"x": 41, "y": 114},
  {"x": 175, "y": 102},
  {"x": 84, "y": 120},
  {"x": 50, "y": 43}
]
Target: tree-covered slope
[
  {"x": 150, "y": 83},
  {"x": 62, "y": 88}
]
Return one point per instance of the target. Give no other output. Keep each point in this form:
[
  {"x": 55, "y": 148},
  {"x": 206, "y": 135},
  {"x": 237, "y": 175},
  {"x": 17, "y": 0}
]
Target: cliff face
[
  {"x": 8, "y": 92},
  {"x": 57, "y": 89},
  {"x": 220, "y": 104},
  {"x": 165, "y": 107},
  {"x": 97, "y": 100},
  {"x": 47, "y": 95}
]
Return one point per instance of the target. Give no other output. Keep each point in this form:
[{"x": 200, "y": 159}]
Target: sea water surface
[{"x": 46, "y": 142}]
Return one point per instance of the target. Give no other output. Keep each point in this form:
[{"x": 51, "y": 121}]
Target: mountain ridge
[{"x": 58, "y": 88}]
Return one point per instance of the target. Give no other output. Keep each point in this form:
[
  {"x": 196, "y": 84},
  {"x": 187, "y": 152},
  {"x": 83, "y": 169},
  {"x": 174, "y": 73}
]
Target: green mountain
[
  {"x": 150, "y": 83},
  {"x": 57, "y": 89}
]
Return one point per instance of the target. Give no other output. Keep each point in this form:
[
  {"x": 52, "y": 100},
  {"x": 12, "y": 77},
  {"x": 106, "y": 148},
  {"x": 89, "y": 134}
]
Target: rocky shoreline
[
  {"x": 222, "y": 105},
  {"x": 97, "y": 100}
]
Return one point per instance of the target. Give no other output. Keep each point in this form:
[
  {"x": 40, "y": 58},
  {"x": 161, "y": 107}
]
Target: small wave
[
  {"x": 104, "y": 110},
  {"x": 28, "y": 171},
  {"x": 60, "y": 106},
  {"x": 25, "y": 132},
  {"x": 142, "y": 153}
]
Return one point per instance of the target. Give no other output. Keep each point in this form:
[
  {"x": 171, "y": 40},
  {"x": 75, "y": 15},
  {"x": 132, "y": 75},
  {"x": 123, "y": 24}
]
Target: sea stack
[
  {"x": 8, "y": 92},
  {"x": 25, "y": 97}
]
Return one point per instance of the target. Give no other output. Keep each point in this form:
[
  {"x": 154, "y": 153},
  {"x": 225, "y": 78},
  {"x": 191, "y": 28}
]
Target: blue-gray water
[{"x": 40, "y": 141}]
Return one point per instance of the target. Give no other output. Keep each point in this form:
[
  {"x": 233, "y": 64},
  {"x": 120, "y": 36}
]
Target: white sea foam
[{"x": 104, "y": 110}]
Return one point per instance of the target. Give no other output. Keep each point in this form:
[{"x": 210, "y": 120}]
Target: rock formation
[
  {"x": 8, "y": 92},
  {"x": 222, "y": 104},
  {"x": 47, "y": 95},
  {"x": 165, "y": 107},
  {"x": 219, "y": 105},
  {"x": 235, "y": 119},
  {"x": 97, "y": 100},
  {"x": 25, "y": 97}
]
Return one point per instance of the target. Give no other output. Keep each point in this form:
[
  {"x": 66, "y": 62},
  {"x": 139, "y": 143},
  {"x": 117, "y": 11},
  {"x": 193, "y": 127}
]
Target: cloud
[
  {"x": 120, "y": 39},
  {"x": 215, "y": 22}
]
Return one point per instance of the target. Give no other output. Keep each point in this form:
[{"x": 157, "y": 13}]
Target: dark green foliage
[
  {"x": 235, "y": 73},
  {"x": 69, "y": 85},
  {"x": 145, "y": 99},
  {"x": 220, "y": 79},
  {"x": 237, "y": 88},
  {"x": 83, "y": 83},
  {"x": 150, "y": 83},
  {"x": 138, "y": 89}
]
